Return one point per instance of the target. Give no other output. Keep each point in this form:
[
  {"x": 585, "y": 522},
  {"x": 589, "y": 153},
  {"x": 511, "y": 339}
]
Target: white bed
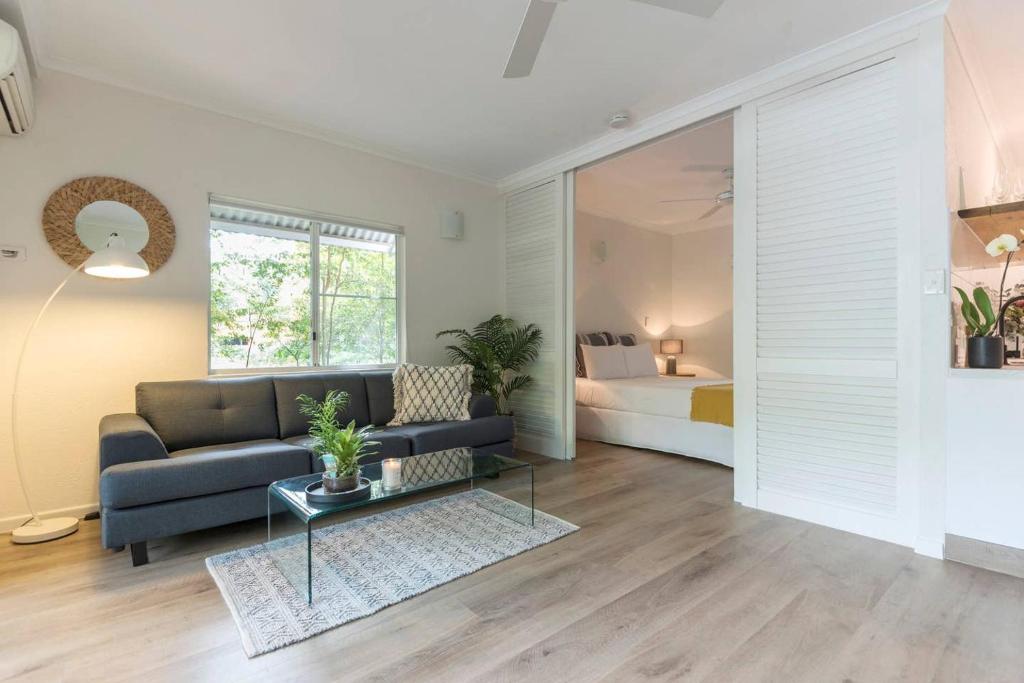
[{"x": 650, "y": 412}]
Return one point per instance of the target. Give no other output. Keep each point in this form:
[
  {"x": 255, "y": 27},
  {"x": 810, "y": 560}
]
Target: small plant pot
[
  {"x": 341, "y": 484},
  {"x": 985, "y": 352}
]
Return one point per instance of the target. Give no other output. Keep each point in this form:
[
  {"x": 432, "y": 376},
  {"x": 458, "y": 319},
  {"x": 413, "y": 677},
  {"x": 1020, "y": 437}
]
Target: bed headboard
[{"x": 598, "y": 339}]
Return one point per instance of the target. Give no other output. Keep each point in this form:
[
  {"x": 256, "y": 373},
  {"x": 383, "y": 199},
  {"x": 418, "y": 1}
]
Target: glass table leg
[
  {"x": 309, "y": 563},
  {"x": 512, "y": 487},
  {"x": 290, "y": 546},
  {"x": 533, "y": 508}
]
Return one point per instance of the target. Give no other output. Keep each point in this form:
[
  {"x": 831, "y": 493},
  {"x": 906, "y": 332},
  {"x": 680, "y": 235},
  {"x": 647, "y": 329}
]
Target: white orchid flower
[{"x": 1002, "y": 244}]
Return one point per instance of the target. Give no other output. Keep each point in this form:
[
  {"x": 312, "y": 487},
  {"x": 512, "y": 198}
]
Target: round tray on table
[{"x": 316, "y": 494}]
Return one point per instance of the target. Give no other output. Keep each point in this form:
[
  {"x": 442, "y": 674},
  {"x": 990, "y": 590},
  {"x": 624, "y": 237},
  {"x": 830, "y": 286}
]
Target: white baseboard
[
  {"x": 9, "y": 524},
  {"x": 991, "y": 556}
]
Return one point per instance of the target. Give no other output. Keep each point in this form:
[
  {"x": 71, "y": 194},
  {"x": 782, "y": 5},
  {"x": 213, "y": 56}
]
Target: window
[{"x": 295, "y": 290}]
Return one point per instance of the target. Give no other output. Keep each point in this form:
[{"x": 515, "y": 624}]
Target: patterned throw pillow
[
  {"x": 431, "y": 394},
  {"x": 592, "y": 339},
  {"x": 624, "y": 339}
]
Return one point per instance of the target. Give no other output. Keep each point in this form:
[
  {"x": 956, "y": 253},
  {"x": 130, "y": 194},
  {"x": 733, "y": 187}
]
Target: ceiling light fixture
[{"x": 620, "y": 120}]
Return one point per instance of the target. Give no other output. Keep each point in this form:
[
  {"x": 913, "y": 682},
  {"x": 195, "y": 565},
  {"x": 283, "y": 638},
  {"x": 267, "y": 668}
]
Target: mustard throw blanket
[{"x": 712, "y": 404}]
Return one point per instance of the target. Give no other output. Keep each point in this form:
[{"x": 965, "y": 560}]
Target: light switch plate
[
  {"x": 935, "y": 281},
  {"x": 10, "y": 252}
]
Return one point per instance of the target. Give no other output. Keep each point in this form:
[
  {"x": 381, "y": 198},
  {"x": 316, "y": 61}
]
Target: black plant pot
[{"x": 985, "y": 352}]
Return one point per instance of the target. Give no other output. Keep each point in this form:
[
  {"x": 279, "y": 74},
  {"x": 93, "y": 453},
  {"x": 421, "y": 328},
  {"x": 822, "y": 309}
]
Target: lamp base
[
  {"x": 670, "y": 365},
  {"x": 39, "y": 530}
]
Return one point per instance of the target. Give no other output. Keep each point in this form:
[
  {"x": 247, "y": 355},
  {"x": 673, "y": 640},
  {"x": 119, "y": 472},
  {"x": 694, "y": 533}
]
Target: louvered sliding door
[
  {"x": 828, "y": 165},
  {"x": 534, "y": 293}
]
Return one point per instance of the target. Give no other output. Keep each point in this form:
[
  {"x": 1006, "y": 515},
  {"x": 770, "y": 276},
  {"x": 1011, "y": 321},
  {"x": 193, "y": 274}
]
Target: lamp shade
[
  {"x": 671, "y": 345},
  {"x": 116, "y": 260}
]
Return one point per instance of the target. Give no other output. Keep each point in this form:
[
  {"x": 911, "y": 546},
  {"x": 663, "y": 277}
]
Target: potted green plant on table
[
  {"x": 498, "y": 350},
  {"x": 340, "y": 448},
  {"x": 984, "y": 347}
]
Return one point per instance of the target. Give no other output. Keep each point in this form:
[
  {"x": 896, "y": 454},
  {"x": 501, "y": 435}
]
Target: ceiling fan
[
  {"x": 721, "y": 199},
  {"x": 538, "y": 17}
]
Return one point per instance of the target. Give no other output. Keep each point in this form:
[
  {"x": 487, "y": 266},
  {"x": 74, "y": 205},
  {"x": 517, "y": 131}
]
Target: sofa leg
[{"x": 140, "y": 556}]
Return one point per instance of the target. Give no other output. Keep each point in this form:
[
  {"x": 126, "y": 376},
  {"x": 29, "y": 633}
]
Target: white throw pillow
[
  {"x": 640, "y": 360},
  {"x": 605, "y": 362},
  {"x": 431, "y": 394}
]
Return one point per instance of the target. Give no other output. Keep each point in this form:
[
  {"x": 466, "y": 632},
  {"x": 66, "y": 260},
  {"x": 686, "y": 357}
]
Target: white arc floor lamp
[{"x": 115, "y": 261}]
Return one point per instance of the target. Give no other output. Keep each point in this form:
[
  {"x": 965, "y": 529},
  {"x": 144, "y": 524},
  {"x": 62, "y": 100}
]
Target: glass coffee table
[{"x": 290, "y": 539}]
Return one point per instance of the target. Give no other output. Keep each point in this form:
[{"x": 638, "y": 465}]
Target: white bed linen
[
  {"x": 704, "y": 440},
  {"x": 663, "y": 396}
]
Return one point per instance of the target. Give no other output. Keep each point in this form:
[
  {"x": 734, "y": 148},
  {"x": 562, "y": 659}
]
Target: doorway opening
[{"x": 652, "y": 293}]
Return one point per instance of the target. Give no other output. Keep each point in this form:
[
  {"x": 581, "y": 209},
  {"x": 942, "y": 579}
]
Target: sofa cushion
[
  {"x": 482, "y": 405},
  {"x": 203, "y": 412},
  {"x": 380, "y": 394},
  {"x": 438, "y": 436},
  {"x": 391, "y": 446},
  {"x": 288, "y": 388},
  {"x": 201, "y": 471}
]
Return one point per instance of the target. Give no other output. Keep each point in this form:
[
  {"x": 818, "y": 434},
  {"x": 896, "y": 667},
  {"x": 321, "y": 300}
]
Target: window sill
[{"x": 241, "y": 372}]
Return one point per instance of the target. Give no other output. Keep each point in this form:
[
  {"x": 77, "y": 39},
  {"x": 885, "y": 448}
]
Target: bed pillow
[
  {"x": 605, "y": 362},
  {"x": 640, "y": 361},
  {"x": 598, "y": 339},
  {"x": 431, "y": 394}
]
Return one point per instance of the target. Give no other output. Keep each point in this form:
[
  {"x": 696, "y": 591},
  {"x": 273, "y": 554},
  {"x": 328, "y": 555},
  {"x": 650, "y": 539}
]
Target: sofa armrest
[
  {"x": 126, "y": 437},
  {"x": 481, "y": 405}
]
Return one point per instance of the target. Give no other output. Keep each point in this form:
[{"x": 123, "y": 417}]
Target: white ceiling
[
  {"x": 989, "y": 35},
  {"x": 629, "y": 187},
  {"x": 421, "y": 79}
]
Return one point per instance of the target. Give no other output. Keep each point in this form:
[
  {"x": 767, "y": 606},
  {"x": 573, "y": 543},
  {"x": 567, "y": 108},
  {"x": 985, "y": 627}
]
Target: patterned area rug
[{"x": 365, "y": 565}]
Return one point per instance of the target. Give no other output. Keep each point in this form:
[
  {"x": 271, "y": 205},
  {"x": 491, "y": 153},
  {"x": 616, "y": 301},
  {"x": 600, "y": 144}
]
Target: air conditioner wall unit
[{"x": 17, "y": 111}]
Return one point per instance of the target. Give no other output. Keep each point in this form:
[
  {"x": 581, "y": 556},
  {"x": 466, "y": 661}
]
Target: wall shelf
[{"x": 989, "y": 222}]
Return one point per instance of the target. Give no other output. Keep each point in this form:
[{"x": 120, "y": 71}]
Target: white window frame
[{"x": 317, "y": 220}]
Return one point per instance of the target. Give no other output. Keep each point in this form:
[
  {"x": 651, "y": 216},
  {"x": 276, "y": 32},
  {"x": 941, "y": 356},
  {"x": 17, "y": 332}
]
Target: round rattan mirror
[{"x": 64, "y": 213}]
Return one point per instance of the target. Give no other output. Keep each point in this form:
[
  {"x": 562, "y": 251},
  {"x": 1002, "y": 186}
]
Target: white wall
[
  {"x": 658, "y": 286},
  {"x": 972, "y": 157},
  {"x": 985, "y": 468},
  {"x": 102, "y": 337},
  {"x": 702, "y": 300},
  {"x": 633, "y": 282},
  {"x": 985, "y": 463}
]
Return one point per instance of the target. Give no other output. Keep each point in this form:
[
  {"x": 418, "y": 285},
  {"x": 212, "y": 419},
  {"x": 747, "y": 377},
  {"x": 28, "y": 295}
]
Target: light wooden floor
[{"x": 668, "y": 579}]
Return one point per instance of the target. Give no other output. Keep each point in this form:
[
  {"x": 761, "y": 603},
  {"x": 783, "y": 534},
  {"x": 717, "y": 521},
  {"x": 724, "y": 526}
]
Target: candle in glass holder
[{"x": 391, "y": 470}]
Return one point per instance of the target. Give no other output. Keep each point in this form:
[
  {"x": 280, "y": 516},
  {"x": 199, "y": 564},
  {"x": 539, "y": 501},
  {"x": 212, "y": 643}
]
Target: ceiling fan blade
[
  {"x": 528, "y": 41},
  {"x": 699, "y": 8},
  {"x": 712, "y": 211},
  {"x": 690, "y": 199}
]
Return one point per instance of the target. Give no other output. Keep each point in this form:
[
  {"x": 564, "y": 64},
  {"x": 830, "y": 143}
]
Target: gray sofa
[{"x": 200, "y": 453}]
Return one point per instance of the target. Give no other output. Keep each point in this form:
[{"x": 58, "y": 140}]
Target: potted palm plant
[
  {"x": 340, "y": 448},
  {"x": 498, "y": 350},
  {"x": 984, "y": 347}
]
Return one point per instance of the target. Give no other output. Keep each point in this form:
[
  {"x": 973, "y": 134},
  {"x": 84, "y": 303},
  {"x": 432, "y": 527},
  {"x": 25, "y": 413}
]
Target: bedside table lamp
[
  {"x": 671, "y": 347},
  {"x": 116, "y": 261}
]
